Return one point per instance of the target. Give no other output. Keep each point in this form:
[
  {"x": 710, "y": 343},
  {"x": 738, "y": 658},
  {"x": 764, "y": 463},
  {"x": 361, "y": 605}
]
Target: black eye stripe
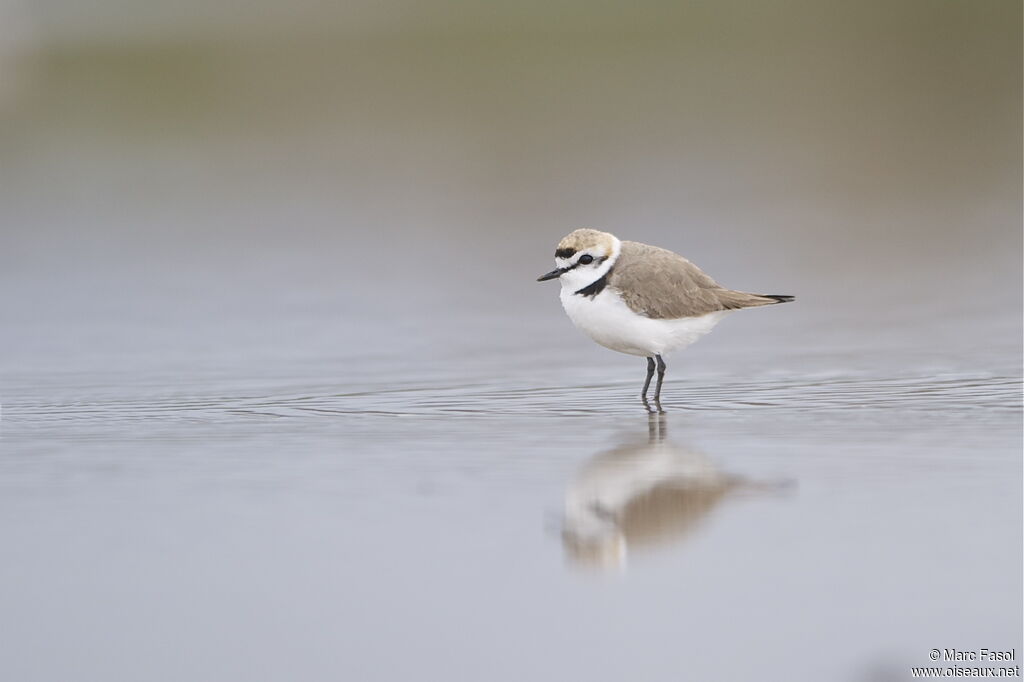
[{"x": 579, "y": 262}]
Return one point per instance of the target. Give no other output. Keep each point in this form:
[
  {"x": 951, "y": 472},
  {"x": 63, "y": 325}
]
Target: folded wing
[{"x": 661, "y": 284}]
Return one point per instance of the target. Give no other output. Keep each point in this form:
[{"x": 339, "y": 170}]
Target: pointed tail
[{"x": 778, "y": 298}]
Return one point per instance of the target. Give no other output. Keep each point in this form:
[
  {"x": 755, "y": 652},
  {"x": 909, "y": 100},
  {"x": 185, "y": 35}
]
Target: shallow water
[
  {"x": 280, "y": 398},
  {"x": 302, "y": 532}
]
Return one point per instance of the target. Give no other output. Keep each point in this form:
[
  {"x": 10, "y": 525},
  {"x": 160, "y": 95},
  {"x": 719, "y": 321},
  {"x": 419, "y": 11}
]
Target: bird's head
[{"x": 582, "y": 257}]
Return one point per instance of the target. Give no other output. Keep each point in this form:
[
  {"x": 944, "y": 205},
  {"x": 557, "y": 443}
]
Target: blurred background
[
  {"x": 377, "y": 178},
  {"x": 268, "y": 274}
]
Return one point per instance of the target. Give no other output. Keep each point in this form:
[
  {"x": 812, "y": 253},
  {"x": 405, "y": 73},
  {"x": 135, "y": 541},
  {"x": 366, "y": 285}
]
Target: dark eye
[{"x": 586, "y": 259}]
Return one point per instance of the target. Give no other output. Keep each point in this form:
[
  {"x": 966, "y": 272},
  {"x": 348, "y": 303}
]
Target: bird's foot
[{"x": 657, "y": 409}]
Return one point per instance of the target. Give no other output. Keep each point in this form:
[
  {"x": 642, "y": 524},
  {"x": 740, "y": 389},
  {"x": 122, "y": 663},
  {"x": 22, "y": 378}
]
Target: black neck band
[{"x": 597, "y": 286}]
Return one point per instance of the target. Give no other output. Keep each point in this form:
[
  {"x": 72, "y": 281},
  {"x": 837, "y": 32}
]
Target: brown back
[{"x": 663, "y": 285}]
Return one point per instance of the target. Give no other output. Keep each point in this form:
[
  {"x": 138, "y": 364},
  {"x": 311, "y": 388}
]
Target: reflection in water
[{"x": 643, "y": 495}]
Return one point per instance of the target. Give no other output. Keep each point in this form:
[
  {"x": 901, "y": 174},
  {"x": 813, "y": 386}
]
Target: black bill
[{"x": 551, "y": 275}]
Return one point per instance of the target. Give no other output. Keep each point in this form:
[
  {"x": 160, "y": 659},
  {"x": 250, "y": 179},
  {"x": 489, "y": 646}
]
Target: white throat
[{"x": 583, "y": 276}]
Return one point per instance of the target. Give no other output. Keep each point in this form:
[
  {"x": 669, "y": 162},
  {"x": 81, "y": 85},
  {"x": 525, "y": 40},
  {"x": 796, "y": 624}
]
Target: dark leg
[
  {"x": 650, "y": 373},
  {"x": 647, "y": 405},
  {"x": 661, "y": 377}
]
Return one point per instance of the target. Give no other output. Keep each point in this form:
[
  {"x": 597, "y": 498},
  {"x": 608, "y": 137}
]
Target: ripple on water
[{"x": 970, "y": 394}]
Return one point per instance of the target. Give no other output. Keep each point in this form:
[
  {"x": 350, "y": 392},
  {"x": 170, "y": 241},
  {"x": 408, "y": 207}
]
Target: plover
[{"x": 640, "y": 299}]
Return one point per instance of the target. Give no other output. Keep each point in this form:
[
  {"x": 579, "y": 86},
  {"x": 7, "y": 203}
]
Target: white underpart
[{"x": 610, "y": 322}]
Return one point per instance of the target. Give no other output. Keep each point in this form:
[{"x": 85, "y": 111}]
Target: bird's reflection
[{"x": 643, "y": 495}]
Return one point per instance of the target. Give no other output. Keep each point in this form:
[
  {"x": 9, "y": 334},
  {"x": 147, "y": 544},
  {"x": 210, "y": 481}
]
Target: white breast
[{"x": 610, "y": 322}]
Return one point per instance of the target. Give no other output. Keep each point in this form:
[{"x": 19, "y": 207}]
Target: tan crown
[{"x": 586, "y": 239}]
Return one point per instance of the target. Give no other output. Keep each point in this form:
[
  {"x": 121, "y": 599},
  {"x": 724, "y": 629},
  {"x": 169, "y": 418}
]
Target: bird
[{"x": 640, "y": 299}]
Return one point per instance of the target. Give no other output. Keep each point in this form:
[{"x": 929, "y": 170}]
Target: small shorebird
[{"x": 640, "y": 299}]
